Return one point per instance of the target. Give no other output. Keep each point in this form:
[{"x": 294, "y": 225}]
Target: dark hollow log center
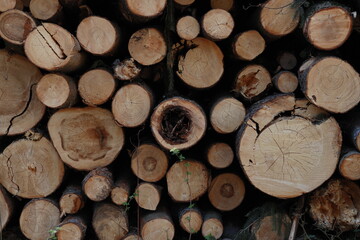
[
  {"x": 175, "y": 125},
  {"x": 227, "y": 190}
]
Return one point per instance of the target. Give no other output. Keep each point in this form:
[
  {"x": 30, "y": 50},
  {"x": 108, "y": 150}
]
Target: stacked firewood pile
[{"x": 179, "y": 119}]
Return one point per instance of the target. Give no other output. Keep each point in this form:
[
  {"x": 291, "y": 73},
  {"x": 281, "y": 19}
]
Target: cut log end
[
  {"x": 47, "y": 10},
  {"x": 53, "y": 48},
  {"x": 227, "y": 114},
  {"x": 185, "y": 187},
  {"x": 287, "y": 170},
  {"x": 38, "y": 217},
  {"x": 202, "y": 66},
  {"x": 15, "y": 26},
  {"x": 6, "y": 206},
  {"x": 39, "y": 168},
  {"x": 330, "y": 83},
  {"x": 220, "y": 155},
  {"x": 96, "y": 87},
  {"x": 132, "y": 104},
  {"x": 252, "y": 81},
  {"x": 147, "y": 46},
  {"x": 279, "y": 17},
  {"x": 71, "y": 200},
  {"x": 56, "y": 90},
  {"x": 178, "y": 123},
  {"x": 97, "y": 184},
  {"x": 7, "y": 5},
  {"x": 287, "y": 60},
  {"x": 336, "y": 205},
  {"x": 191, "y": 220},
  {"x": 148, "y": 196},
  {"x": 217, "y": 24},
  {"x": 142, "y": 10},
  {"x": 248, "y": 45},
  {"x": 264, "y": 229},
  {"x": 126, "y": 70},
  {"x": 212, "y": 225},
  {"x": 73, "y": 227},
  {"x": 149, "y": 163},
  {"x": 110, "y": 222},
  {"x": 157, "y": 226},
  {"x": 86, "y": 138},
  {"x": 188, "y": 28},
  {"x": 285, "y": 81},
  {"x": 226, "y": 191},
  {"x": 17, "y": 82},
  {"x": 327, "y": 28},
  {"x": 349, "y": 165},
  {"x": 98, "y": 35}
]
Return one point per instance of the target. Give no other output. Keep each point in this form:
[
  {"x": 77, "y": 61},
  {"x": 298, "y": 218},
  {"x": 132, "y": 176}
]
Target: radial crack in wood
[{"x": 282, "y": 154}]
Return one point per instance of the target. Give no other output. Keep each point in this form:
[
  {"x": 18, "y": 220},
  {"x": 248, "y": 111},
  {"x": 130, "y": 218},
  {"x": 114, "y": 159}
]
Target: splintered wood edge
[{"x": 261, "y": 118}]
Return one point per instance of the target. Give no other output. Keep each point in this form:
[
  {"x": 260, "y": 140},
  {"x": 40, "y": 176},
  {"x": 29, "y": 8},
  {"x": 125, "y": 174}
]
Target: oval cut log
[
  {"x": 53, "y": 48},
  {"x": 248, "y": 45},
  {"x": 285, "y": 81},
  {"x": 349, "y": 165},
  {"x": 86, "y": 138},
  {"x": 72, "y": 200},
  {"x": 15, "y": 26},
  {"x": 6, "y": 5},
  {"x": 178, "y": 123},
  {"x": 190, "y": 219},
  {"x": 46, "y": 10},
  {"x": 147, "y": 46},
  {"x": 187, "y": 180},
  {"x": 72, "y": 227},
  {"x": 31, "y": 169},
  {"x": 290, "y": 155},
  {"x": 98, "y": 35},
  {"x": 149, "y": 163},
  {"x": 226, "y": 191},
  {"x": 56, "y": 90},
  {"x": 96, "y": 86},
  {"x": 20, "y": 109},
  {"x": 202, "y": 65},
  {"x": 148, "y": 195},
  {"x": 327, "y": 26},
  {"x": 97, "y": 184},
  {"x": 279, "y": 17},
  {"x": 157, "y": 226},
  {"x": 227, "y": 114},
  {"x": 38, "y": 217},
  {"x": 219, "y": 155},
  {"x": 132, "y": 105},
  {"x": 217, "y": 24},
  {"x": 188, "y": 28},
  {"x": 330, "y": 83},
  {"x": 110, "y": 221}
]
